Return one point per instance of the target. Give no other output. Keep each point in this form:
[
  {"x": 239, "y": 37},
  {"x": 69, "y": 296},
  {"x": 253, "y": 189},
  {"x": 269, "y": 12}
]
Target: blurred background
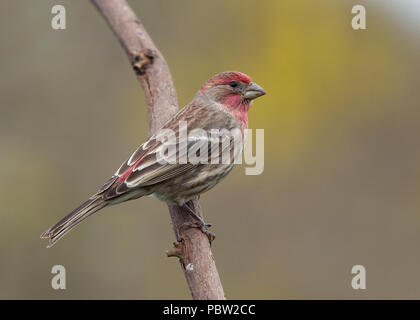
[{"x": 341, "y": 184}]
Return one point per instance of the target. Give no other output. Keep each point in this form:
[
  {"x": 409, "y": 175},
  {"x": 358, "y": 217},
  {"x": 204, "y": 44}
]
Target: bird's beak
[{"x": 253, "y": 91}]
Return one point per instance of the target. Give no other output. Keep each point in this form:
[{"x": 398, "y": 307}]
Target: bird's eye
[{"x": 233, "y": 84}]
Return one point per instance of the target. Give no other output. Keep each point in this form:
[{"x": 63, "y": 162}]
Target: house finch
[{"x": 222, "y": 103}]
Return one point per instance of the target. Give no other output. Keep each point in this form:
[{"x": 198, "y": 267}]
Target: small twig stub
[
  {"x": 176, "y": 251},
  {"x": 141, "y": 60}
]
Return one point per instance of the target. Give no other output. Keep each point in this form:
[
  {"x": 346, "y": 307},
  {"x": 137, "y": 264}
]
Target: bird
[{"x": 220, "y": 105}]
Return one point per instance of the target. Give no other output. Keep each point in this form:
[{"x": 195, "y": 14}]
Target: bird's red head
[
  {"x": 232, "y": 89},
  {"x": 225, "y": 78}
]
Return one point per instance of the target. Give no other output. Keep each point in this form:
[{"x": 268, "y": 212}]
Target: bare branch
[{"x": 193, "y": 247}]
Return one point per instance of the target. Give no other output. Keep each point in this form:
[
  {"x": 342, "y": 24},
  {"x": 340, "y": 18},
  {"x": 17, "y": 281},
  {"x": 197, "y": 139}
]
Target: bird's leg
[
  {"x": 204, "y": 227},
  {"x": 196, "y": 216}
]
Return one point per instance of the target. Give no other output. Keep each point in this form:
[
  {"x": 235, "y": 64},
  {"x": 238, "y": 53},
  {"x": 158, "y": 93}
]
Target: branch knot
[{"x": 141, "y": 59}]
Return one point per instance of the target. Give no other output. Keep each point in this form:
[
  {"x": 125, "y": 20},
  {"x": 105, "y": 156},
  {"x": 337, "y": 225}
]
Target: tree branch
[{"x": 193, "y": 246}]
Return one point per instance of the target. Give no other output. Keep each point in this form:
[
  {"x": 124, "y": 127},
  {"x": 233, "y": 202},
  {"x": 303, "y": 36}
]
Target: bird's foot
[
  {"x": 199, "y": 223},
  {"x": 204, "y": 227}
]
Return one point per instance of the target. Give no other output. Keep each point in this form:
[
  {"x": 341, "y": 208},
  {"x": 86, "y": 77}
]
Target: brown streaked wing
[
  {"x": 203, "y": 117},
  {"x": 148, "y": 146}
]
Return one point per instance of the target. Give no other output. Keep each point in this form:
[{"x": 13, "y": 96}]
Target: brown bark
[{"x": 193, "y": 247}]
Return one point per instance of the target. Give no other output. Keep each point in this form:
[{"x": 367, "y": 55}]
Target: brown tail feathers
[{"x": 57, "y": 231}]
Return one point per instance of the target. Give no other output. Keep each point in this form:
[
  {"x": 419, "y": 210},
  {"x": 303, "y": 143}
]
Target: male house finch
[{"x": 221, "y": 103}]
